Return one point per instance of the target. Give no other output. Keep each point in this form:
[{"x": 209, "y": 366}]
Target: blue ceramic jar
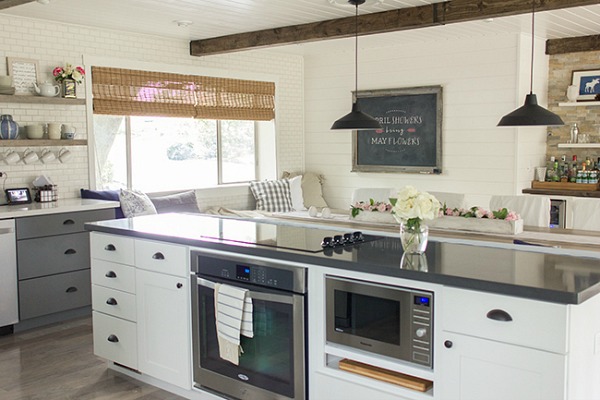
[{"x": 9, "y": 129}]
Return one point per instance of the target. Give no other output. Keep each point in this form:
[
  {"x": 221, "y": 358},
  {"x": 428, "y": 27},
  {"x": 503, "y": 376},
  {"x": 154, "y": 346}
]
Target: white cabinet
[
  {"x": 495, "y": 347},
  {"x": 163, "y": 304},
  {"x": 481, "y": 369},
  {"x": 113, "y": 299},
  {"x": 141, "y": 302}
]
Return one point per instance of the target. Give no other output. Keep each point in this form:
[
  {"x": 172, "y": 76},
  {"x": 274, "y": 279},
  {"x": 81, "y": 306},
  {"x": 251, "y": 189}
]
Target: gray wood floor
[{"x": 57, "y": 363}]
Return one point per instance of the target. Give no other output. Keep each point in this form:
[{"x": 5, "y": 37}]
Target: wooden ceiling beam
[
  {"x": 12, "y": 3},
  {"x": 454, "y": 11},
  {"x": 573, "y": 45}
]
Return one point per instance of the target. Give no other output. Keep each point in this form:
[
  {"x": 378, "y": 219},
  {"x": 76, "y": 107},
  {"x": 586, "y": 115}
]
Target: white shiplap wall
[
  {"x": 482, "y": 78},
  {"x": 53, "y": 44}
]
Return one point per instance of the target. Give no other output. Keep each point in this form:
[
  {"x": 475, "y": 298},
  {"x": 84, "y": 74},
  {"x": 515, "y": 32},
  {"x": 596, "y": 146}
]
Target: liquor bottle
[{"x": 550, "y": 170}]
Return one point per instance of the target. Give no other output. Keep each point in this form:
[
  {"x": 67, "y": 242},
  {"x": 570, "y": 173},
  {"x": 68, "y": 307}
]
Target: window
[
  {"x": 156, "y": 154},
  {"x": 159, "y": 131}
]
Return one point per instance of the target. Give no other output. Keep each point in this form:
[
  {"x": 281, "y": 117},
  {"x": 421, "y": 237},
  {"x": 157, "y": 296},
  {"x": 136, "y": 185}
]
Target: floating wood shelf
[
  {"x": 579, "y": 145},
  {"x": 8, "y": 98},
  {"x": 565, "y": 186},
  {"x": 579, "y": 104},
  {"x": 41, "y": 142}
]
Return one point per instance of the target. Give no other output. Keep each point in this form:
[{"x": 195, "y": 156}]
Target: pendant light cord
[
  {"x": 356, "y": 52},
  {"x": 532, "y": 44}
]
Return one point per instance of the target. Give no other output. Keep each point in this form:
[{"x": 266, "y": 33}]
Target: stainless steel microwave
[{"x": 388, "y": 320}]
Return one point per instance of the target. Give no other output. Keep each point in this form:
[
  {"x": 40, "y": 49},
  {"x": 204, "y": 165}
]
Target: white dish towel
[{"x": 233, "y": 310}]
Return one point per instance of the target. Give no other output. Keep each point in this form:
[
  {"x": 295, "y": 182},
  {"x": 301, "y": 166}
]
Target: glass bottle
[{"x": 574, "y": 133}]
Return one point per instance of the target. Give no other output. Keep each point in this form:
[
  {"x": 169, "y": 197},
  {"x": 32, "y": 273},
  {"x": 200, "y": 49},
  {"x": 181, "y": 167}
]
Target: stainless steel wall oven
[
  {"x": 273, "y": 363},
  {"x": 389, "y": 320}
]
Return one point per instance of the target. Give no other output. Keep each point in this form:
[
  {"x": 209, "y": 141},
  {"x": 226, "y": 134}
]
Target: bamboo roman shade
[{"x": 119, "y": 91}]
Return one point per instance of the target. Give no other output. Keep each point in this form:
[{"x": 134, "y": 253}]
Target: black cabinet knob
[
  {"x": 448, "y": 344},
  {"x": 70, "y": 251},
  {"x": 71, "y": 289},
  {"x": 110, "y": 274},
  {"x": 113, "y": 339},
  {"x": 111, "y": 301},
  {"x": 179, "y": 285},
  {"x": 110, "y": 247},
  {"x": 158, "y": 256},
  {"x": 68, "y": 222}
]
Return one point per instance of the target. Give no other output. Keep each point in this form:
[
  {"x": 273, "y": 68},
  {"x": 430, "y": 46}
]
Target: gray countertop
[
  {"x": 515, "y": 271},
  {"x": 54, "y": 207}
]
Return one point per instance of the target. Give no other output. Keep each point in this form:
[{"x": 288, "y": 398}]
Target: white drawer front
[
  {"x": 113, "y": 275},
  {"x": 162, "y": 257},
  {"x": 534, "y": 324},
  {"x": 114, "y": 302},
  {"x": 112, "y": 248},
  {"x": 115, "y": 339}
]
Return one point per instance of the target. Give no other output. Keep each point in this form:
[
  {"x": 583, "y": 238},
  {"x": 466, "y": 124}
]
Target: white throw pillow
[
  {"x": 273, "y": 196},
  {"x": 296, "y": 193},
  {"x": 311, "y": 188},
  {"x": 134, "y": 203}
]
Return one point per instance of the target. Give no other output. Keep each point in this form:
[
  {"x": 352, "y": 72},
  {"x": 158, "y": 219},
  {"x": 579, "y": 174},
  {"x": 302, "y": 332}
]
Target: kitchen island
[{"x": 547, "y": 348}]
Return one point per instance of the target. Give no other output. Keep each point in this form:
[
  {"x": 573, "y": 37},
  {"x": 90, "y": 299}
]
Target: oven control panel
[{"x": 251, "y": 273}]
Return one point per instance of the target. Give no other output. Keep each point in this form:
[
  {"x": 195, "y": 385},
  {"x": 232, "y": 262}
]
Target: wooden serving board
[
  {"x": 412, "y": 382},
  {"x": 585, "y": 187}
]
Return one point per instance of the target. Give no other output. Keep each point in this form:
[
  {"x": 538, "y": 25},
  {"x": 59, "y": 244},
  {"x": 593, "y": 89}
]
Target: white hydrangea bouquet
[{"x": 411, "y": 208}]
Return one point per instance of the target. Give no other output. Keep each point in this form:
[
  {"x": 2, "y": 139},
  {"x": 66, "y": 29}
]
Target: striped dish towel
[{"x": 233, "y": 310}]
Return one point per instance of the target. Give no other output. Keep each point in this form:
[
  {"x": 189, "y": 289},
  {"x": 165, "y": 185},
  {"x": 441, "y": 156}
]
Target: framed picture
[
  {"x": 411, "y": 136},
  {"x": 588, "y": 82},
  {"x": 24, "y": 74}
]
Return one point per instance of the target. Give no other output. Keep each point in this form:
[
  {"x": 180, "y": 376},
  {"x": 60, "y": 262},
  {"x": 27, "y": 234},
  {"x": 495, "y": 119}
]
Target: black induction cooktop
[{"x": 286, "y": 236}]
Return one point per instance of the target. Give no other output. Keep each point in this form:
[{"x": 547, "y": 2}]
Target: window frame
[{"x": 219, "y": 130}]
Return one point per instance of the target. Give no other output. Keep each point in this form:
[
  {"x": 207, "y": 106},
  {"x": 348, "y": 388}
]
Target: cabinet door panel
[
  {"x": 50, "y": 294},
  {"x": 164, "y": 342},
  {"x": 162, "y": 257},
  {"x": 53, "y": 255},
  {"x": 479, "y": 369},
  {"x": 59, "y": 224}
]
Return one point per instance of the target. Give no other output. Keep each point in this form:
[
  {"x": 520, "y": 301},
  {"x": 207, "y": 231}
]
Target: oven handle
[{"x": 273, "y": 298}]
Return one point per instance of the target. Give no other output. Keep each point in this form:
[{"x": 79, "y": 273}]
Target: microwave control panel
[{"x": 422, "y": 328}]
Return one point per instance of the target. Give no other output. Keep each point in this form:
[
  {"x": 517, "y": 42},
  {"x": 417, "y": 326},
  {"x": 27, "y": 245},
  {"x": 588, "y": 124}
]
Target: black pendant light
[
  {"x": 531, "y": 114},
  {"x": 356, "y": 119}
]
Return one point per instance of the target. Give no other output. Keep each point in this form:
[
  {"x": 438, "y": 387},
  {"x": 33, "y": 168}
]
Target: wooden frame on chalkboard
[
  {"x": 410, "y": 140},
  {"x": 24, "y": 73}
]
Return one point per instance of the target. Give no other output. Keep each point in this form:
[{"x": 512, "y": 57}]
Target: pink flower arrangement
[
  {"x": 478, "y": 212},
  {"x": 371, "y": 206},
  {"x": 68, "y": 72}
]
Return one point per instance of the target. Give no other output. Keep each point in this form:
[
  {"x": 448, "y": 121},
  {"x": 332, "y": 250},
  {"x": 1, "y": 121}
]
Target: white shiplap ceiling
[{"x": 213, "y": 18}]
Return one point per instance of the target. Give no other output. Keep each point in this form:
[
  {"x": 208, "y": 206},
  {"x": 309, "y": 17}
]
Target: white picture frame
[{"x": 24, "y": 73}]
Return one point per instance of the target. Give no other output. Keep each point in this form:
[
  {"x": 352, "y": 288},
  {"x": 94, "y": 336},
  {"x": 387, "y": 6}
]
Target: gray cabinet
[{"x": 53, "y": 262}]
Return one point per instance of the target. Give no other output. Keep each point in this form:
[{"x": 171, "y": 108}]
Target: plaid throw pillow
[{"x": 273, "y": 196}]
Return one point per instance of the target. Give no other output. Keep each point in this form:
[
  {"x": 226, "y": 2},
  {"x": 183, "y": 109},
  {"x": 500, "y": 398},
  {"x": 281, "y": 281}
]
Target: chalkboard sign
[{"x": 411, "y": 136}]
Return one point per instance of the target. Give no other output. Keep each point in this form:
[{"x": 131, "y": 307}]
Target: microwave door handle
[{"x": 273, "y": 298}]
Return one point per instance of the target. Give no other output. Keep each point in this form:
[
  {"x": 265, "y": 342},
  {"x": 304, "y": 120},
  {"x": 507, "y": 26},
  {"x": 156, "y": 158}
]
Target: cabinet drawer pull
[
  {"x": 111, "y": 274},
  {"x": 71, "y": 289},
  {"x": 70, "y": 251},
  {"x": 113, "y": 339},
  {"x": 68, "y": 222},
  {"x": 158, "y": 256},
  {"x": 110, "y": 247},
  {"x": 111, "y": 301},
  {"x": 499, "y": 315}
]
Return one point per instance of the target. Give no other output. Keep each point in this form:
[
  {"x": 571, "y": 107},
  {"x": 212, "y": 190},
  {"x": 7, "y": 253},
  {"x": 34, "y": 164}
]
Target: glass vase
[{"x": 414, "y": 238}]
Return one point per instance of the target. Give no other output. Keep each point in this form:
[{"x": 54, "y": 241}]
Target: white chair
[
  {"x": 377, "y": 194},
  {"x": 452, "y": 200},
  {"x": 586, "y": 213},
  {"x": 534, "y": 209}
]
